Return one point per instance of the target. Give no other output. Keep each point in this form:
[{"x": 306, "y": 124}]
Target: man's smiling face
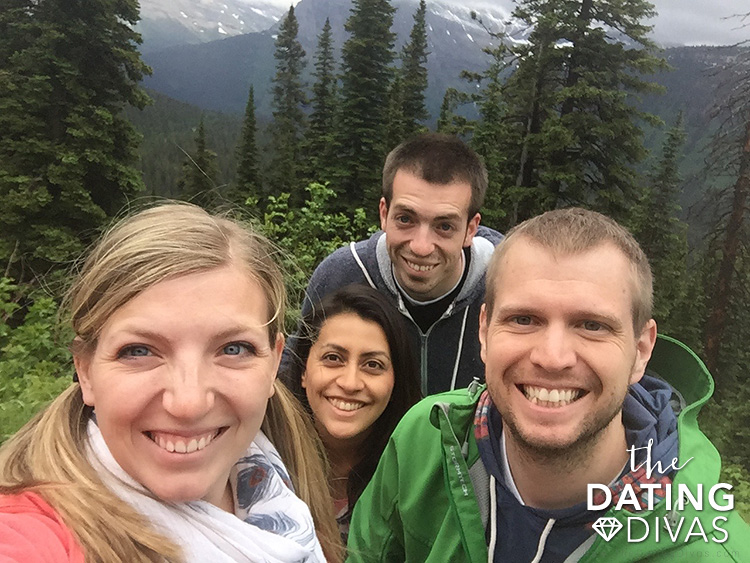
[
  {"x": 427, "y": 226},
  {"x": 559, "y": 347}
]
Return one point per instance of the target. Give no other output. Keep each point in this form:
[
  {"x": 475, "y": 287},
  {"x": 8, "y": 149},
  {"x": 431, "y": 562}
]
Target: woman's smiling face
[
  {"x": 180, "y": 379},
  {"x": 348, "y": 379}
]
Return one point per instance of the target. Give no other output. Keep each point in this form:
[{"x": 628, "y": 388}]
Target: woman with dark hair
[{"x": 354, "y": 369}]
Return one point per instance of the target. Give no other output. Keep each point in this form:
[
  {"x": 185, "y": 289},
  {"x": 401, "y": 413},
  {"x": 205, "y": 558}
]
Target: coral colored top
[{"x": 32, "y": 532}]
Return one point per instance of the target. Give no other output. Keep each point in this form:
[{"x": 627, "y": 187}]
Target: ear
[
  {"x": 644, "y": 346},
  {"x": 483, "y": 333},
  {"x": 383, "y": 210},
  {"x": 303, "y": 380},
  {"x": 471, "y": 229},
  {"x": 82, "y": 363}
]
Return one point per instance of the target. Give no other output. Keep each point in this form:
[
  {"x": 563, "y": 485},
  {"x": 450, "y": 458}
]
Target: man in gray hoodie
[{"x": 429, "y": 258}]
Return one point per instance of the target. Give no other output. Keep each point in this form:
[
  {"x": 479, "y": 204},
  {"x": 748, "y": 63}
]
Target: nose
[
  {"x": 188, "y": 394},
  {"x": 350, "y": 379},
  {"x": 421, "y": 244},
  {"x": 554, "y": 349}
]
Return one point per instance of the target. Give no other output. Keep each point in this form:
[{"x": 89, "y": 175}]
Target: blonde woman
[{"x": 176, "y": 443}]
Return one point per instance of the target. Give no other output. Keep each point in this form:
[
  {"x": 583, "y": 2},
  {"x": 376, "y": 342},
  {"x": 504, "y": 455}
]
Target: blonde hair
[
  {"x": 48, "y": 455},
  {"x": 573, "y": 231}
]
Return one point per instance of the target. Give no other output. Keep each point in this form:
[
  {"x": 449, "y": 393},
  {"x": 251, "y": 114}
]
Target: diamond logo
[{"x": 607, "y": 527}]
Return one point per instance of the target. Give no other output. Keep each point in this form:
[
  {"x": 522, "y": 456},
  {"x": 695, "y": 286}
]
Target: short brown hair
[
  {"x": 438, "y": 159},
  {"x": 573, "y": 231}
]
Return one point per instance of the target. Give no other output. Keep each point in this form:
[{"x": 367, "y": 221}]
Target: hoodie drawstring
[{"x": 460, "y": 347}]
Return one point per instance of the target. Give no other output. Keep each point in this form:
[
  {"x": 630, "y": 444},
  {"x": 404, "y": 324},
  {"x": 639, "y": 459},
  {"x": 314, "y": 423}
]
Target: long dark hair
[{"x": 370, "y": 305}]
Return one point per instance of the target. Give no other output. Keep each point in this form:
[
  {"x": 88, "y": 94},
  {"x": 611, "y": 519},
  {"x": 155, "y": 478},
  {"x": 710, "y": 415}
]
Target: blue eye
[
  {"x": 237, "y": 348},
  {"x": 523, "y": 320},
  {"x": 134, "y": 351},
  {"x": 592, "y": 325}
]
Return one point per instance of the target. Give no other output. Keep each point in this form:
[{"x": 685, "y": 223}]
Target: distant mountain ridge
[
  {"x": 217, "y": 75},
  {"x": 168, "y": 23}
]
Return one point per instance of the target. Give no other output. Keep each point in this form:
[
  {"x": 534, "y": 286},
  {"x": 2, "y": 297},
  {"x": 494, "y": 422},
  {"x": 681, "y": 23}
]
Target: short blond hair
[{"x": 573, "y": 231}]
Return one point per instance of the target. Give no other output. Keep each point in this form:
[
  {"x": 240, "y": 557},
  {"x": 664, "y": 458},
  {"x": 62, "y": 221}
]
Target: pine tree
[
  {"x": 568, "y": 96},
  {"x": 365, "y": 82},
  {"x": 289, "y": 122},
  {"x": 320, "y": 137},
  {"x": 490, "y": 135},
  {"x": 247, "y": 181},
  {"x": 198, "y": 184},
  {"x": 662, "y": 235},
  {"x": 395, "y": 120},
  {"x": 67, "y": 155},
  {"x": 414, "y": 73},
  {"x": 449, "y": 122}
]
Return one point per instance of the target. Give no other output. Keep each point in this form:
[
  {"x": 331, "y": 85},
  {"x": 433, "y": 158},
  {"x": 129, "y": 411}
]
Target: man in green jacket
[{"x": 584, "y": 444}]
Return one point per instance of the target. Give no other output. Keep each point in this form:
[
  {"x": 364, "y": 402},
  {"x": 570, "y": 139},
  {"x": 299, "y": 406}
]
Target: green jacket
[{"x": 421, "y": 506}]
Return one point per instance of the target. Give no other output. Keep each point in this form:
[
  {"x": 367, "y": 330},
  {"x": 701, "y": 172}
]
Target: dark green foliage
[
  {"x": 247, "y": 180},
  {"x": 198, "y": 184},
  {"x": 67, "y": 155},
  {"x": 448, "y": 121},
  {"x": 365, "y": 82},
  {"x": 490, "y": 135},
  {"x": 663, "y": 236},
  {"x": 395, "y": 120},
  {"x": 35, "y": 364},
  {"x": 320, "y": 138},
  {"x": 288, "y": 125},
  {"x": 568, "y": 101},
  {"x": 168, "y": 130},
  {"x": 414, "y": 75},
  {"x": 307, "y": 235}
]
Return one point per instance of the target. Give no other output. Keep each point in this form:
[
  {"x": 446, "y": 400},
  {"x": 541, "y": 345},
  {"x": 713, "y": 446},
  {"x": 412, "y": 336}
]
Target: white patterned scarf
[{"x": 271, "y": 524}]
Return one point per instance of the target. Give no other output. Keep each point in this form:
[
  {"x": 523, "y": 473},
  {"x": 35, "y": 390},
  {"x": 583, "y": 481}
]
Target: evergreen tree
[
  {"x": 449, "y": 122},
  {"x": 288, "y": 127},
  {"x": 661, "y": 233},
  {"x": 579, "y": 136},
  {"x": 247, "y": 181},
  {"x": 365, "y": 82},
  {"x": 198, "y": 184},
  {"x": 490, "y": 134},
  {"x": 414, "y": 73},
  {"x": 67, "y": 155},
  {"x": 395, "y": 120},
  {"x": 320, "y": 136}
]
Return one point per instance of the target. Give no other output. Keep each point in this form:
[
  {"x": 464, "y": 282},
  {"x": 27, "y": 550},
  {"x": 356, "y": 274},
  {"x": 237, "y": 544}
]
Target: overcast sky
[{"x": 697, "y": 22}]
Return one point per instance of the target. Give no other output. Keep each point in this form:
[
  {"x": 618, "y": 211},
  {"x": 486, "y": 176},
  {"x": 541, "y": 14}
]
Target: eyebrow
[
  {"x": 227, "y": 333},
  {"x": 576, "y": 314},
  {"x": 406, "y": 209},
  {"x": 368, "y": 354}
]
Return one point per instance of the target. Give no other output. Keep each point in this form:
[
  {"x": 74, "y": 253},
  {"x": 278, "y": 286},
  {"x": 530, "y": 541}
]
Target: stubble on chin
[{"x": 567, "y": 455}]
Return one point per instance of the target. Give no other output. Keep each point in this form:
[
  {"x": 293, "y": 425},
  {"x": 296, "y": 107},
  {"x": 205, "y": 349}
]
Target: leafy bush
[
  {"x": 307, "y": 235},
  {"x": 35, "y": 364}
]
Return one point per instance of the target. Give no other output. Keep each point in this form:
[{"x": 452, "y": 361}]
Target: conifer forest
[{"x": 554, "y": 118}]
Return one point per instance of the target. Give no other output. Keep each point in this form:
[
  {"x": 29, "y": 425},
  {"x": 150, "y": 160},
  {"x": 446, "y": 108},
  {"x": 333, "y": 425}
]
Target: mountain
[
  {"x": 217, "y": 75},
  {"x": 177, "y": 22}
]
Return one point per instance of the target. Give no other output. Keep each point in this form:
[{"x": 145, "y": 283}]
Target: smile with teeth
[
  {"x": 551, "y": 397},
  {"x": 419, "y": 267},
  {"x": 181, "y": 444},
  {"x": 345, "y": 405}
]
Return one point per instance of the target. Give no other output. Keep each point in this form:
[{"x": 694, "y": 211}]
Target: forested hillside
[{"x": 578, "y": 115}]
